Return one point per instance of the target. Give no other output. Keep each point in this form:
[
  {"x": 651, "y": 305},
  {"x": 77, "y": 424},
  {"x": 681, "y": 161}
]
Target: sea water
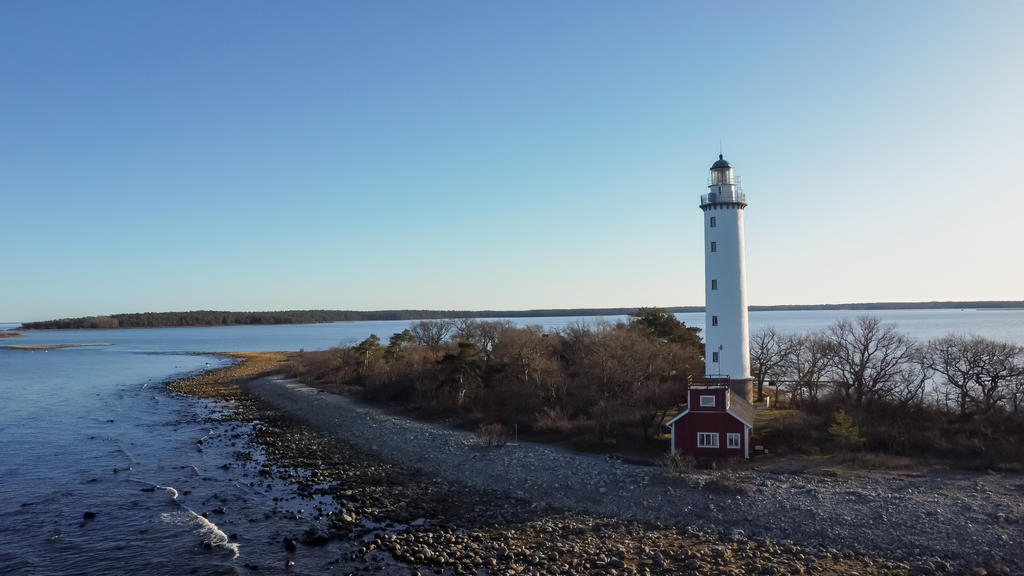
[
  {"x": 92, "y": 429},
  {"x": 92, "y": 432}
]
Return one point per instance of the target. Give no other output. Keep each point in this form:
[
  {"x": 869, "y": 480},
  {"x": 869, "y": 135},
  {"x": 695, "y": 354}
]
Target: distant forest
[{"x": 221, "y": 318}]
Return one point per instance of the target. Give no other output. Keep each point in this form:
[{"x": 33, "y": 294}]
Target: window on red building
[
  {"x": 732, "y": 440},
  {"x": 707, "y": 439}
]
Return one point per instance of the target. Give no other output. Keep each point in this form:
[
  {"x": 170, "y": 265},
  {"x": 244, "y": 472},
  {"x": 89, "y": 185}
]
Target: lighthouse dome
[{"x": 720, "y": 163}]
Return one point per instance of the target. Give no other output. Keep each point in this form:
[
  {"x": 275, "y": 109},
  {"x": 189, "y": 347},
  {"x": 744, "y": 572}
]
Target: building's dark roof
[
  {"x": 720, "y": 163},
  {"x": 740, "y": 408}
]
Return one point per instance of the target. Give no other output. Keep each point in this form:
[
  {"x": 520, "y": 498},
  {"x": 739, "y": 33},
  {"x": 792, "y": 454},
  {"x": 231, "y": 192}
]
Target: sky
[{"x": 159, "y": 156}]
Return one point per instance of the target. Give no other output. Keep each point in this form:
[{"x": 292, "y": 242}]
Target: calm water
[{"x": 92, "y": 429}]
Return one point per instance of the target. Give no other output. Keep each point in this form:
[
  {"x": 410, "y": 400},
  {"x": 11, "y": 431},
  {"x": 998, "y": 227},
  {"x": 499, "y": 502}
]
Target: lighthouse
[
  {"x": 718, "y": 419},
  {"x": 727, "y": 336}
]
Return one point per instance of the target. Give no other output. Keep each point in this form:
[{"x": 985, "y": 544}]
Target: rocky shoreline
[{"x": 433, "y": 500}]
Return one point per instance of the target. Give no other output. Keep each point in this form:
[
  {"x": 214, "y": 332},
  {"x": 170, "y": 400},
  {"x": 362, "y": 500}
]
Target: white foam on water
[
  {"x": 208, "y": 530},
  {"x": 170, "y": 490}
]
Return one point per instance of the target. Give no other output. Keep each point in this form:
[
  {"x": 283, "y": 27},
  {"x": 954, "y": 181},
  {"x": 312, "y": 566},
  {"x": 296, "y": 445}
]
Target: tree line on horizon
[{"x": 226, "y": 318}]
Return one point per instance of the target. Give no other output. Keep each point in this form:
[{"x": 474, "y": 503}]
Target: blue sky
[{"x": 502, "y": 155}]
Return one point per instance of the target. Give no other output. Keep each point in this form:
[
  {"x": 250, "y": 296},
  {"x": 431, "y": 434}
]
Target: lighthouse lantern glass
[{"x": 721, "y": 176}]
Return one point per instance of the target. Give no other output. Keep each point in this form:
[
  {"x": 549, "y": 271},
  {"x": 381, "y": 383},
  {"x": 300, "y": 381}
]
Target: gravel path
[{"x": 966, "y": 518}]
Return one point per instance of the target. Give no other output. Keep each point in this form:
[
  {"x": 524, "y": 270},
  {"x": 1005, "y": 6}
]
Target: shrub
[
  {"x": 677, "y": 464},
  {"x": 492, "y": 435},
  {"x": 845, "y": 432},
  {"x": 553, "y": 420}
]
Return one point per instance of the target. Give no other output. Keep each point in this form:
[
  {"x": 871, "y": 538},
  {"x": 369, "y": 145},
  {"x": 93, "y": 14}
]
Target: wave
[
  {"x": 150, "y": 487},
  {"x": 170, "y": 490},
  {"x": 211, "y": 534}
]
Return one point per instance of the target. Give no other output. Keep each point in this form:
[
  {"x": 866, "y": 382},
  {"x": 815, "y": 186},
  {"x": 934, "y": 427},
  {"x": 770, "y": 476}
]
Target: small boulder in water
[
  {"x": 314, "y": 537},
  {"x": 88, "y": 515},
  {"x": 290, "y": 544}
]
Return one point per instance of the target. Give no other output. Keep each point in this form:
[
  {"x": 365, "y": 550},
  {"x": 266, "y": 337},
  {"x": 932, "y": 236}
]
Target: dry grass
[
  {"x": 778, "y": 418},
  {"x": 6, "y": 334},
  {"x": 223, "y": 382}
]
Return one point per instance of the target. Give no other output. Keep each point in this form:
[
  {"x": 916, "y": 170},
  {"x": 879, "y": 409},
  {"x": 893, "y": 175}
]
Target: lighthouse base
[{"x": 744, "y": 387}]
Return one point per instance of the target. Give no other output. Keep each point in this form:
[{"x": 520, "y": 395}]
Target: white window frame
[
  {"x": 714, "y": 356},
  {"x": 714, "y": 222},
  {"x": 732, "y": 440},
  {"x": 707, "y": 401},
  {"x": 707, "y": 439}
]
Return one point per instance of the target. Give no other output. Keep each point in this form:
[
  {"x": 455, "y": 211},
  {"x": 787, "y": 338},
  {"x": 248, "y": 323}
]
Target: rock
[
  {"x": 290, "y": 544},
  {"x": 88, "y": 515}
]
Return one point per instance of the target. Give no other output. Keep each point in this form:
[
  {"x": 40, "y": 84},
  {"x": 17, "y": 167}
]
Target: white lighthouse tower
[{"x": 727, "y": 336}]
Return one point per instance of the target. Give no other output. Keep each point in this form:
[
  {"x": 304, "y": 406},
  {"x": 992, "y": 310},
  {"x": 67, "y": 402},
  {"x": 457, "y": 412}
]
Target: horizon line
[{"x": 1001, "y": 304}]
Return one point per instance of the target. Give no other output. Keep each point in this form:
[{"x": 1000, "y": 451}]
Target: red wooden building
[{"x": 716, "y": 422}]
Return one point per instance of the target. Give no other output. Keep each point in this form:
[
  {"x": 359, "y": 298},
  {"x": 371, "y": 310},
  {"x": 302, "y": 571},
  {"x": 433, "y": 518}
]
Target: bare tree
[
  {"x": 806, "y": 367},
  {"x": 865, "y": 357},
  {"x": 630, "y": 374},
  {"x": 432, "y": 332},
  {"x": 976, "y": 374},
  {"x": 482, "y": 334},
  {"x": 464, "y": 329},
  {"x": 911, "y": 382},
  {"x": 526, "y": 355},
  {"x": 958, "y": 363},
  {"x": 1017, "y": 395},
  {"x": 579, "y": 337},
  {"x": 770, "y": 352},
  {"x": 1001, "y": 369}
]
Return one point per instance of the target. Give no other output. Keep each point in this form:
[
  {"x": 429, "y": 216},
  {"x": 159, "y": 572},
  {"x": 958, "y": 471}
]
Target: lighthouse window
[
  {"x": 732, "y": 440},
  {"x": 714, "y": 246},
  {"x": 707, "y": 401},
  {"x": 714, "y": 222},
  {"x": 714, "y": 356},
  {"x": 714, "y": 284},
  {"x": 707, "y": 439},
  {"x": 714, "y": 320}
]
